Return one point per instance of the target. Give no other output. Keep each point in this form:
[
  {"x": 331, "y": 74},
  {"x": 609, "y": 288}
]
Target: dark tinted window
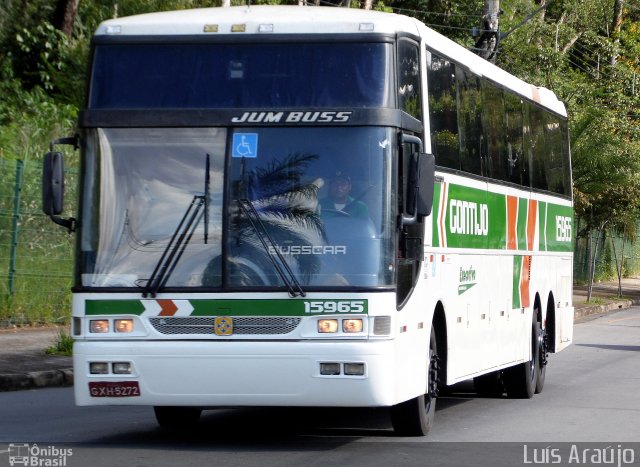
[
  {"x": 469, "y": 119},
  {"x": 497, "y": 164},
  {"x": 550, "y": 165},
  {"x": 517, "y": 166},
  {"x": 129, "y": 76},
  {"x": 409, "y": 89},
  {"x": 443, "y": 113}
]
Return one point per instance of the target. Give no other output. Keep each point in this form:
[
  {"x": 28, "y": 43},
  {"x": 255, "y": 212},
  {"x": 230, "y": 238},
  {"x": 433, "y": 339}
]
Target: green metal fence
[{"x": 36, "y": 259}]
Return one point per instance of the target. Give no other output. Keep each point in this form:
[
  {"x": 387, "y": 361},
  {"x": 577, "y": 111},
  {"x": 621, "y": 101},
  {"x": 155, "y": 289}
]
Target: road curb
[
  {"x": 36, "y": 379},
  {"x": 585, "y": 311}
]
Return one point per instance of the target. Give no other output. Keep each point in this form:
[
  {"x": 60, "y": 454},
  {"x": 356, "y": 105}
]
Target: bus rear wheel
[
  {"x": 520, "y": 381},
  {"x": 415, "y": 417},
  {"x": 177, "y": 418}
]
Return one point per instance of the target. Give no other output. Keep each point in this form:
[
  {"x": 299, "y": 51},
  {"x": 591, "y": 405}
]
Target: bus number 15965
[{"x": 335, "y": 306}]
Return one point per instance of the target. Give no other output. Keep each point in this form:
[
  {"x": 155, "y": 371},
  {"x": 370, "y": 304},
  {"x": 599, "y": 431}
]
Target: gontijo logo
[{"x": 468, "y": 218}]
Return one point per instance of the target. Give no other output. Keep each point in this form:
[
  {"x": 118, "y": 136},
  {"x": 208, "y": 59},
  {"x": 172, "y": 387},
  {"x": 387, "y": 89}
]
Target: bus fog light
[
  {"x": 329, "y": 369},
  {"x": 123, "y": 325},
  {"x": 354, "y": 369},
  {"x": 352, "y": 325},
  {"x": 99, "y": 325},
  {"x": 327, "y": 325},
  {"x": 122, "y": 368},
  {"x": 382, "y": 325},
  {"x": 76, "y": 326},
  {"x": 99, "y": 368}
]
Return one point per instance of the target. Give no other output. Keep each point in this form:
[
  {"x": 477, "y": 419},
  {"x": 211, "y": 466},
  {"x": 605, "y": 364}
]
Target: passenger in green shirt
[{"x": 340, "y": 202}]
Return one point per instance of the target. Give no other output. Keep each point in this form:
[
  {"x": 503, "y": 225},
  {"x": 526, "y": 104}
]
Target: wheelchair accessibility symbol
[{"x": 245, "y": 145}]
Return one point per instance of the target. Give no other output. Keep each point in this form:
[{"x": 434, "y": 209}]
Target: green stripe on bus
[
  {"x": 477, "y": 219},
  {"x": 114, "y": 307},
  {"x": 559, "y": 228},
  {"x": 435, "y": 211},
  {"x": 517, "y": 271},
  {"x": 523, "y": 205},
  {"x": 277, "y": 307},
  {"x": 542, "y": 218}
]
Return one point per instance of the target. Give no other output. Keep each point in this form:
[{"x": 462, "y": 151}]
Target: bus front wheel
[{"x": 415, "y": 417}]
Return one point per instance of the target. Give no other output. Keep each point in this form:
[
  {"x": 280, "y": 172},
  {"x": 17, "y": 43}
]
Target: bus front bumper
[{"x": 219, "y": 374}]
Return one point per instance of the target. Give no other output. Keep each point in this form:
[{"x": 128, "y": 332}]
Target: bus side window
[
  {"x": 443, "y": 111},
  {"x": 537, "y": 148},
  {"x": 496, "y": 165},
  {"x": 553, "y": 155},
  {"x": 409, "y": 85},
  {"x": 469, "y": 120},
  {"x": 518, "y": 170}
]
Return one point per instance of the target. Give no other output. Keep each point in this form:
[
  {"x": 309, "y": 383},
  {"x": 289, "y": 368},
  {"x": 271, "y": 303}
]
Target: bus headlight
[
  {"x": 123, "y": 325},
  {"x": 99, "y": 368},
  {"x": 352, "y": 325},
  {"x": 327, "y": 325},
  {"x": 99, "y": 325},
  {"x": 122, "y": 368}
]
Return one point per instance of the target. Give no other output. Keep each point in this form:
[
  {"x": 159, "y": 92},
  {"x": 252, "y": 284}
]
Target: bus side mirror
[
  {"x": 53, "y": 183},
  {"x": 422, "y": 169}
]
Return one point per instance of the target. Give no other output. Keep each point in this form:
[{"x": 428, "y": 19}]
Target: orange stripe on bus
[
  {"x": 169, "y": 308},
  {"x": 512, "y": 222},
  {"x": 525, "y": 280},
  {"x": 443, "y": 207},
  {"x": 531, "y": 223}
]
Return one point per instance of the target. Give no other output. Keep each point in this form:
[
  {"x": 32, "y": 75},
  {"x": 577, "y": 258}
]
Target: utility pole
[{"x": 488, "y": 37}]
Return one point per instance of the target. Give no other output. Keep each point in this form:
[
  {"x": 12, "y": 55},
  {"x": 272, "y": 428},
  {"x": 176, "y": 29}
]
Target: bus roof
[
  {"x": 269, "y": 19},
  {"x": 283, "y": 19}
]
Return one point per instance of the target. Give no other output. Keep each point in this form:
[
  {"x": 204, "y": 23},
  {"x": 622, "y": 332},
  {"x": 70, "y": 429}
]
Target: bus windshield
[
  {"x": 244, "y": 202},
  {"x": 231, "y": 75}
]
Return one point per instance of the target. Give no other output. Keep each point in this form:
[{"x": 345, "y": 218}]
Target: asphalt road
[{"x": 590, "y": 406}]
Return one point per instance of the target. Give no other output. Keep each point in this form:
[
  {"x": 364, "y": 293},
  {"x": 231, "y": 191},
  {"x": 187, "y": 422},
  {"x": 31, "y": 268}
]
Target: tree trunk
[
  {"x": 592, "y": 263},
  {"x": 64, "y": 15},
  {"x": 616, "y": 26},
  {"x": 618, "y": 263}
]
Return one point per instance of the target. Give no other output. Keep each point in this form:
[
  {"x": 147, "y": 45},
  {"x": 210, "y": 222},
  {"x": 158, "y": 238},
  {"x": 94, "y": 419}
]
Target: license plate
[{"x": 114, "y": 389}]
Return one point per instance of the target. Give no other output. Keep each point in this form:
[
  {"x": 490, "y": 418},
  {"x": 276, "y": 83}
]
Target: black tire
[
  {"x": 520, "y": 380},
  {"x": 489, "y": 385},
  {"x": 177, "y": 418},
  {"x": 542, "y": 360},
  {"x": 415, "y": 417}
]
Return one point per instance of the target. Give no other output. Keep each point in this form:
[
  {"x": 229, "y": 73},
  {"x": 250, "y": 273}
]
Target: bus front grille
[{"x": 205, "y": 325}]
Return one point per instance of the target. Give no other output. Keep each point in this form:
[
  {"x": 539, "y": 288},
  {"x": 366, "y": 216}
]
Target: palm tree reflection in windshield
[{"x": 271, "y": 208}]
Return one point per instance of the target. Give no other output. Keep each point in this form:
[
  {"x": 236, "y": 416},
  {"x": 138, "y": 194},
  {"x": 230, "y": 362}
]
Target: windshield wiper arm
[
  {"x": 207, "y": 202},
  {"x": 176, "y": 246},
  {"x": 181, "y": 237},
  {"x": 282, "y": 268}
]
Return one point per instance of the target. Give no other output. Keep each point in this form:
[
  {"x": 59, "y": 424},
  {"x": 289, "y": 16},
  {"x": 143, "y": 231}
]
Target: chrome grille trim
[{"x": 204, "y": 325}]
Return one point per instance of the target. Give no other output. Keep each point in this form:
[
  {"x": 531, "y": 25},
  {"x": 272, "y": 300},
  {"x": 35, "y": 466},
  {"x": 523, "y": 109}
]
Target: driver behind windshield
[{"x": 340, "y": 202}]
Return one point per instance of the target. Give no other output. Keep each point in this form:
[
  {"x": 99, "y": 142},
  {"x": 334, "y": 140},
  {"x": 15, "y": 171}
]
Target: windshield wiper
[
  {"x": 207, "y": 203},
  {"x": 176, "y": 246},
  {"x": 282, "y": 268},
  {"x": 181, "y": 237}
]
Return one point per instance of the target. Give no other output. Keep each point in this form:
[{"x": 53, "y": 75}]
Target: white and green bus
[{"x": 304, "y": 206}]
